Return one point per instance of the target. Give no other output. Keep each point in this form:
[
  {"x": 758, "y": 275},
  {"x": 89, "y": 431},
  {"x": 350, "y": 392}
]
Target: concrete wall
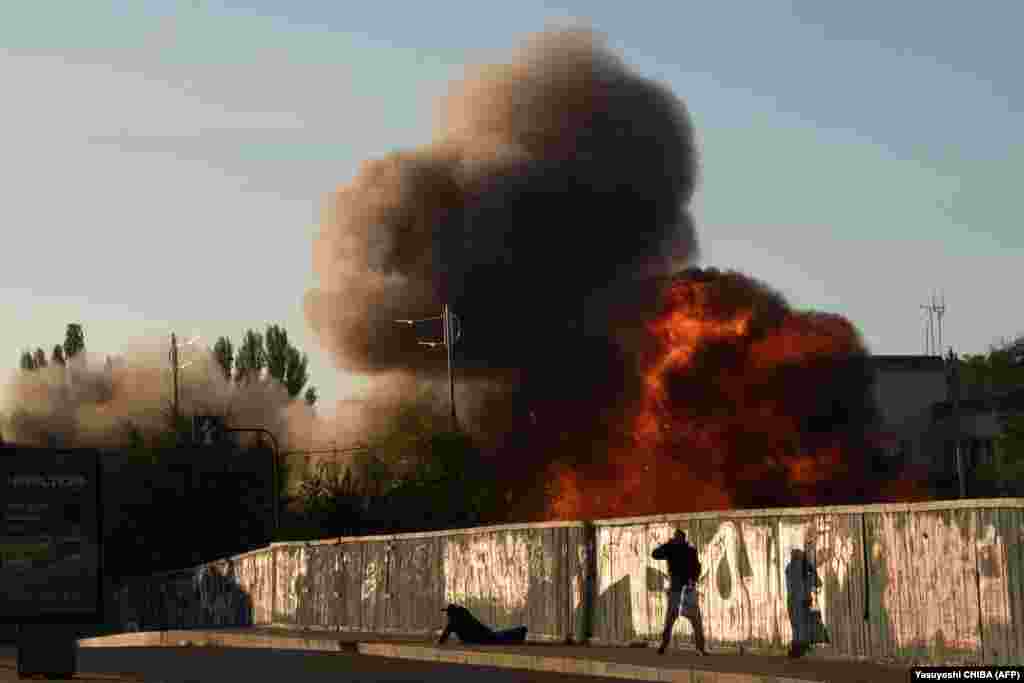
[{"x": 936, "y": 582}]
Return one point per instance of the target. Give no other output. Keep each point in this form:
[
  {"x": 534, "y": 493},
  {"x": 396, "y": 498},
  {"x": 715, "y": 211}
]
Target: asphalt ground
[
  {"x": 530, "y": 658},
  {"x": 227, "y": 665}
]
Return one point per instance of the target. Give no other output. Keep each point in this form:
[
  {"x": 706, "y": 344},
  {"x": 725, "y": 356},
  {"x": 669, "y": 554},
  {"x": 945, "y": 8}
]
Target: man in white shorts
[{"x": 684, "y": 568}]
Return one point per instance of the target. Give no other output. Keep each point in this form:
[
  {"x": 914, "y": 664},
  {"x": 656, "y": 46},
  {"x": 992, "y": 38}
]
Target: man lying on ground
[{"x": 470, "y": 631}]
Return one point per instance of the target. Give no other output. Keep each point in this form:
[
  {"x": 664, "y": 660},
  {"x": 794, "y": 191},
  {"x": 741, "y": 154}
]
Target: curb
[
  {"x": 217, "y": 639},
  {"x": 449, "y": 655},
  {"x": 567, "y": 665}
]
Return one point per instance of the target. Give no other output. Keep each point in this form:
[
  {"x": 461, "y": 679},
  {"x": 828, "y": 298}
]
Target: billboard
[{"x": 51, "y": 544}]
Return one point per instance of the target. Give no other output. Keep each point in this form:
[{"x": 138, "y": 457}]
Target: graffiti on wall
[
  {"x": 936, "y": 584},
  {"x": 944, "y": 553},
  {"x": 492, "y": 567}
]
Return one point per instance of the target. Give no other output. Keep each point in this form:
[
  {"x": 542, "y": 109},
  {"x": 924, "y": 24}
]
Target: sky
[{"x": 165, "y": 164}]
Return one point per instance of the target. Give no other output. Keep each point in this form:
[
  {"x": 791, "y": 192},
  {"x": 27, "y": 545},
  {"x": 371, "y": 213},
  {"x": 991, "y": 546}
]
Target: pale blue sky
[{"x": 164, "y": 164}]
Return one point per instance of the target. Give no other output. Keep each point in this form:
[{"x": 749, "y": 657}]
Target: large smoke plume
[
  {"x": 551, "y": 212},
  {"x": 552, "y": 179}
]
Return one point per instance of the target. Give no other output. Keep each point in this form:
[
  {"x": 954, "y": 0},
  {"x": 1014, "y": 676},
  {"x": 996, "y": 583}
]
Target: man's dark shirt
[
  {"x": 465, "y": 626},
  {"x": 683, "y": 563}
]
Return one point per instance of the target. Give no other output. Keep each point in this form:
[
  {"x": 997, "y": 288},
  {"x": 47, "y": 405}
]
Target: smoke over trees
[
  {"x": 551, "y": 212},
  {"x": 127, "y": 401},
  {"x": 271, "y": 351},
  {"x": 74, "y": 343}
]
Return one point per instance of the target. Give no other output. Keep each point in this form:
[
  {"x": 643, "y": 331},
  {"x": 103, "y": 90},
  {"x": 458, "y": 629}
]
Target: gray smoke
[{"x": 554, "y": 182}]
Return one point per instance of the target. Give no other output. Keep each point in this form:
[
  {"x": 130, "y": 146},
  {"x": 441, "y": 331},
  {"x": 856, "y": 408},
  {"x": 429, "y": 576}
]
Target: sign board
[
  {"x": 51, "y": 544},
  {"x": 207, "y": 429}
]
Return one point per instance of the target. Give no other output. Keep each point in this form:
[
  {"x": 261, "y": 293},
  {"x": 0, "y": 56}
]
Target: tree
[
  {"x": 999, "y": 371},
  {"x": 311, "y": 396},
  {"x": 284, "y": 362},
  {"x": 251, "y": 358},
  {"x": 277, "y": 352},
  {"x": 58, "y": 355},
  {"x": 28, "y": 361},
  {"x": 40, "y": 358},
  {"x": 297, "y": 373},
  {"x": 74, "y": 341},
  {"x": 224, "y": 354}
]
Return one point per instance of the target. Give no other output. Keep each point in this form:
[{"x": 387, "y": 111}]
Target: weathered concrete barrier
[
  {"x": 935, "y": 582},
  {"x": 931, "y": 582}
]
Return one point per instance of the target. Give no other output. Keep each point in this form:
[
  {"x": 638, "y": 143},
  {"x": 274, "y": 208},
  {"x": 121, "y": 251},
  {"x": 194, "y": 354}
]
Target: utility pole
[
  {"x": 174, "y": 372},
  {"x": 940, "y": 309},
  {"x": 451, "y": 331},
  {"x": 449, "y": 344},
  {"x": 929, "y": 344}
]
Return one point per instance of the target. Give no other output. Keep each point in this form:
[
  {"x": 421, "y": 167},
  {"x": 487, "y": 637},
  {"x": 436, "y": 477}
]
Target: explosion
[
  {"x": 746, "y": 403},
  {"x": 551, "y": 213}
]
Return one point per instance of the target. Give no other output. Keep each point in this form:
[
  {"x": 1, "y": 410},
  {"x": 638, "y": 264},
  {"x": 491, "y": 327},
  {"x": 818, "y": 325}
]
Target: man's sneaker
[{"x": 661, "y": 650}]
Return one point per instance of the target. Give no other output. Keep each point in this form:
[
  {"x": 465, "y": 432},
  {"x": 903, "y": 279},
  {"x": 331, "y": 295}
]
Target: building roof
[{"x": 909, "y": 363}]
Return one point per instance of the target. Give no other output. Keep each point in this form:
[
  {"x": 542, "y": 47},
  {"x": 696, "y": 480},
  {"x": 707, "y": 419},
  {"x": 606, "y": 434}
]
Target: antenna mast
[
  {"x": 933, "y": 331},
  {"x": 939, "y": 306}
]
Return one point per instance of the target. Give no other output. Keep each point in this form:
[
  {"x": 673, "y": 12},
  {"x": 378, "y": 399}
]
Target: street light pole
[
  {"x": 449, "y": 345},
  {"x": 175, "y": 367},
  {"x": 450, "y": 334},
  {"x": 274, "y": 496},
  {"x": 174, "y": 370}
]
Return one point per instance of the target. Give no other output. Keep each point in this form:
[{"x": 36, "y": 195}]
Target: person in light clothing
[{"x": 684, "y": 568}]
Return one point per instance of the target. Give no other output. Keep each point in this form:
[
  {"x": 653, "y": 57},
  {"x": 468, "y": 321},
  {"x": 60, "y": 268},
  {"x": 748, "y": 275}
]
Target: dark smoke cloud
[
  {"x": 554, "y": 182},
  {"x": 551, "y": 212}
]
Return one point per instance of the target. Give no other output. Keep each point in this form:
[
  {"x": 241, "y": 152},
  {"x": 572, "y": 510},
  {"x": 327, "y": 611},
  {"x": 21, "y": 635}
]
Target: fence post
[
  {"x": 590, "y": 579},
  {"x": 273, "y": 584}
]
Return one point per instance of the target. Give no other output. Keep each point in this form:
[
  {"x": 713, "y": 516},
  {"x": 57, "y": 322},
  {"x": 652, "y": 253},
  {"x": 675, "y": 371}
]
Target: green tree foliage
[
  {"x": 58, "y": 355},
  {"x": 224, "y": 354},
  {"x": 28, "y": 361},
  {"x": 311, "y": 396},
  {"x": 251, "y": 358},
  {"x": 277, "y": 352},
  {"x": 999, "y": 371},
  {"x": 40, "y": 358},
  {"x": 272, "y": 351},
  {"x": 284, "y": 362},
  {"x": 297, "y": 373},
  {"x": 74, "y": 341}
]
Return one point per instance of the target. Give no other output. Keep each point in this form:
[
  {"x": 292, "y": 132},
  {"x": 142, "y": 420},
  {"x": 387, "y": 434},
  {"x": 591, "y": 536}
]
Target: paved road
[{"x": 221, "y": 665}]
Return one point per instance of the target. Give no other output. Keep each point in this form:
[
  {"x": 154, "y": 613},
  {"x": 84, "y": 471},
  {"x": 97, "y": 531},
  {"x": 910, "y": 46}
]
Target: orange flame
[{"x": 745, "y": 403}]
